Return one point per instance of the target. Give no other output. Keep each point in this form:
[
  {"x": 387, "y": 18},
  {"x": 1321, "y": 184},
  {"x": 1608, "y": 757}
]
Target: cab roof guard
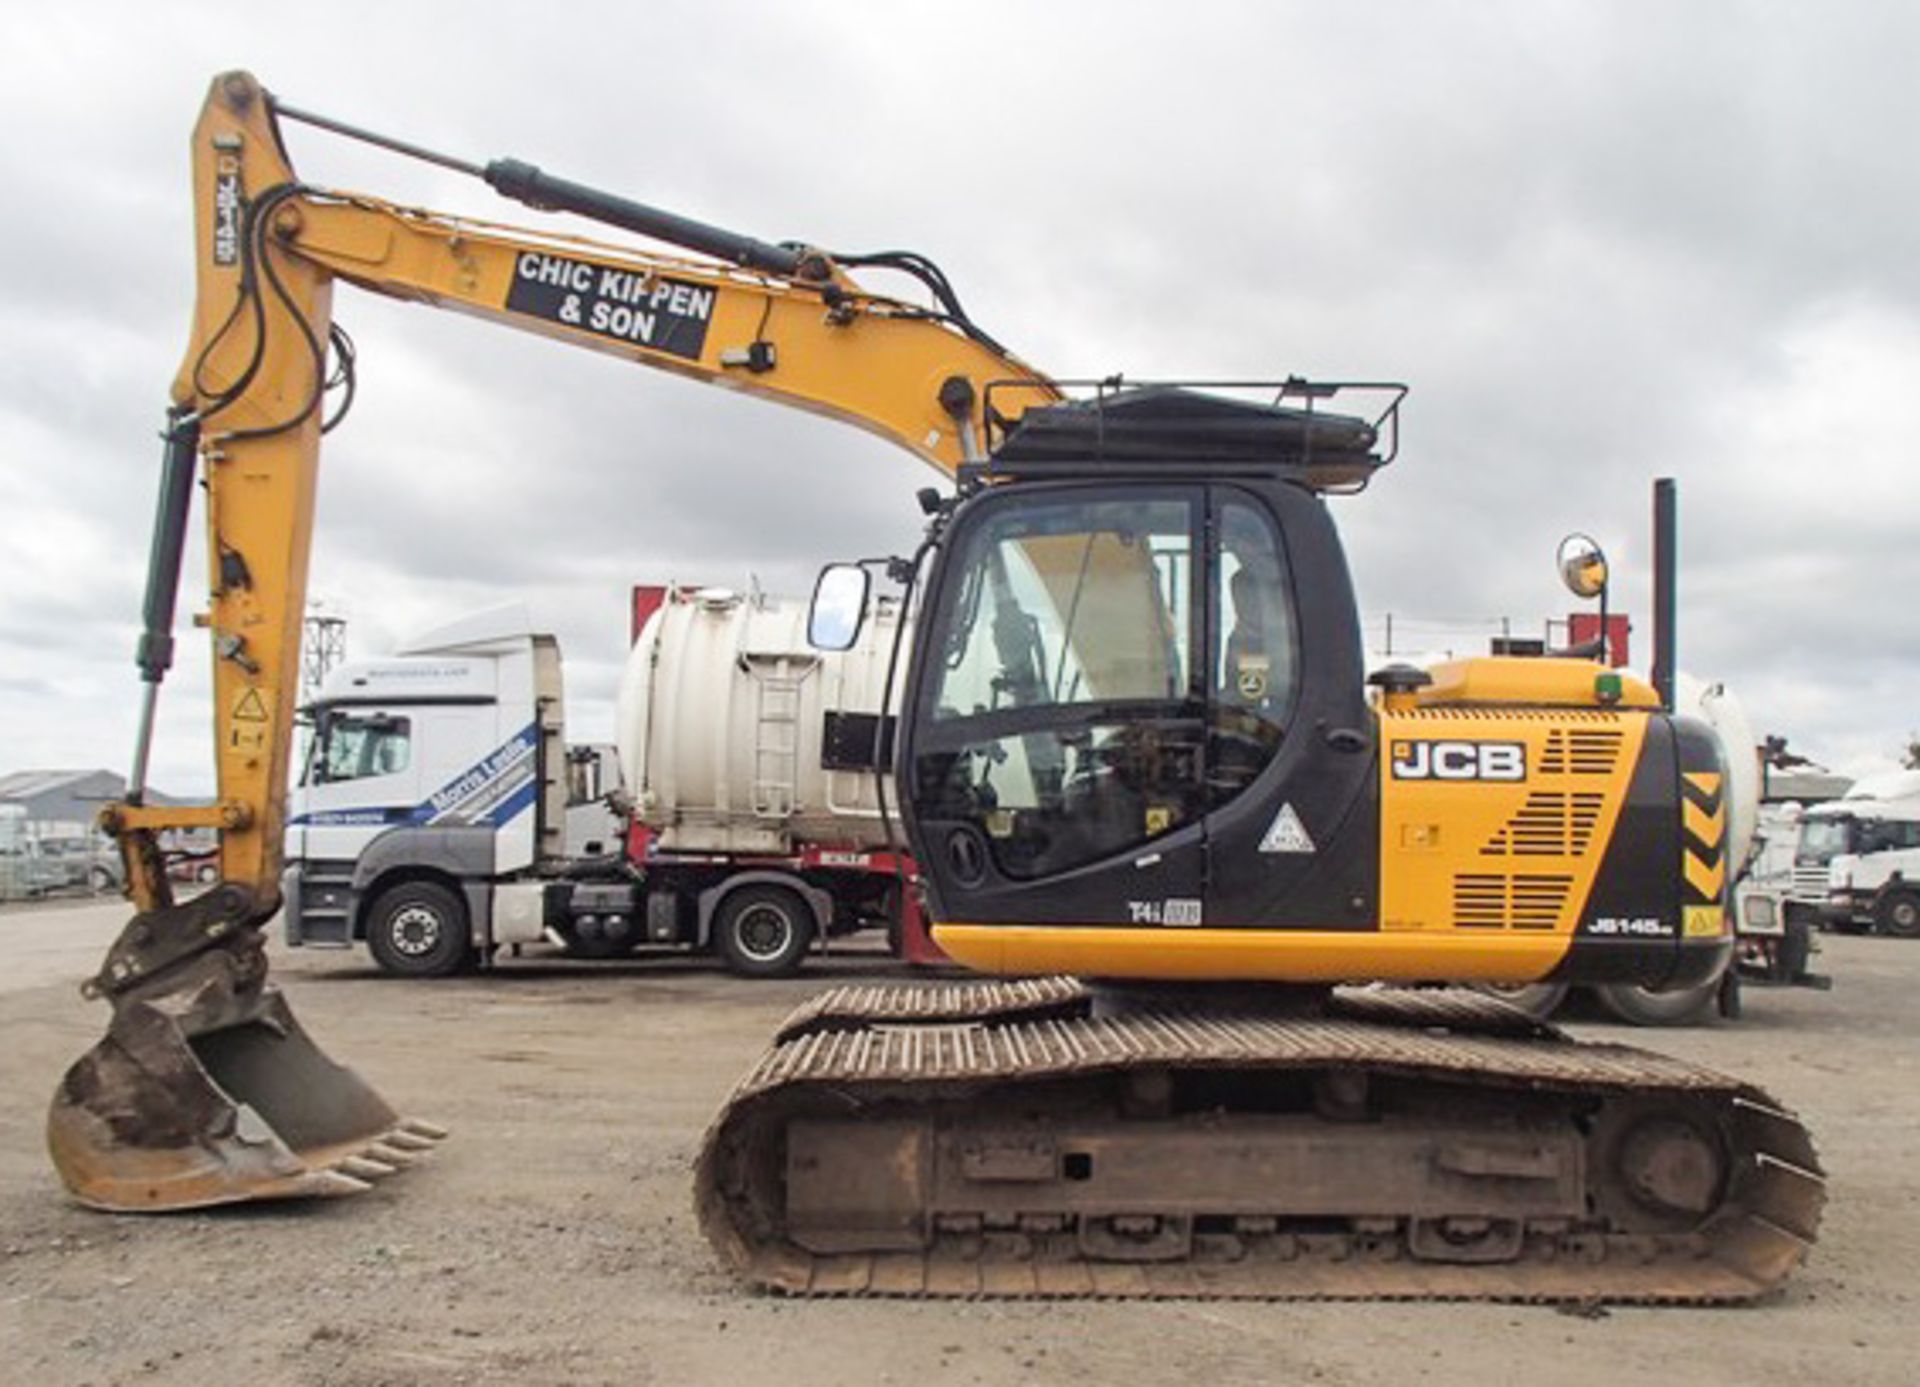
[{"x": 1165, "y": 428}]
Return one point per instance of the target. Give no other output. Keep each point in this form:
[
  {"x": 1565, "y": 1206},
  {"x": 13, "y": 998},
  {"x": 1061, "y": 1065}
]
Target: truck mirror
[
  {"x": 1583, "y": 568},
  {"x": 839, "y": 607}
]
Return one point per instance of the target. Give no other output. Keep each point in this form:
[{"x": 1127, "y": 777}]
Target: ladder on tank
[{"x": 776, "y": 741}]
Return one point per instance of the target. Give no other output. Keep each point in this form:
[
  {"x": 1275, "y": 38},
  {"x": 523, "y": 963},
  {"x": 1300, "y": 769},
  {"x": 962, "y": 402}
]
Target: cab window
[
  {"x": 1887, "y": 835},
  {"x": 1256, "y": 665},
  {"x": 1102, "y": 678},
  {"x": 1821, "y": 840},
  {"x": 358, "y": 746},
  {"x": 1075, "y": 602},
  {"x": 1065, "y": 724}
]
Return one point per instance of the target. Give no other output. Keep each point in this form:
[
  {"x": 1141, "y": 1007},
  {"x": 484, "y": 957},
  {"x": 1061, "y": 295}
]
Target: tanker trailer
[
  {"x": 444, "y": 820},
  {"x": 749, "y": 762}
]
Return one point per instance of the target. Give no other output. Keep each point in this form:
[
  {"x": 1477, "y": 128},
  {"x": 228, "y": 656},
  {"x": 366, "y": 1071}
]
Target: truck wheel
[
  {"x": 1898, "y": 914},
  {"x": 1537, "y": 999},
  {"x": 763, "y": 931},
  {"x": 99, "y": 881},
  {"x": 1647, "y": 1006},
  {"x": 418, "y": 929}
]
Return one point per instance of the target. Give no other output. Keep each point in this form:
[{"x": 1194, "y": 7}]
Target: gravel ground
[{"x": 550, "y": 1241}]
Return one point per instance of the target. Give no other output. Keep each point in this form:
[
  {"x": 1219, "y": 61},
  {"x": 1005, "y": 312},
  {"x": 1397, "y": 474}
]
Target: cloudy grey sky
[{"x": 1604, "y": 242}]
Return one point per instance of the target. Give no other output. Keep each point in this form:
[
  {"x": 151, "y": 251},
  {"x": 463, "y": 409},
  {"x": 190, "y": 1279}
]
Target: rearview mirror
[
  {"x": 839, "y": 607},
  {"x": 1583, "y": 568}
]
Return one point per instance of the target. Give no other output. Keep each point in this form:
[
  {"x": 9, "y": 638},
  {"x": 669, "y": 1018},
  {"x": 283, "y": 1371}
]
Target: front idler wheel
[
  {"x": 1671, "y": 1169},
  {"x": 1660, "y": 1169}
]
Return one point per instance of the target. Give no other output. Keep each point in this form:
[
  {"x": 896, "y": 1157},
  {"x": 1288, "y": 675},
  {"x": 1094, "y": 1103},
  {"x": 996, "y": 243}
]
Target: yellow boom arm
[{"x": 267, "y": 252}]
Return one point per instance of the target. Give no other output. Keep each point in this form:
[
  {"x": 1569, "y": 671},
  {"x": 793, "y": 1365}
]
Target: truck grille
[{"x": 1809, "y": 885}]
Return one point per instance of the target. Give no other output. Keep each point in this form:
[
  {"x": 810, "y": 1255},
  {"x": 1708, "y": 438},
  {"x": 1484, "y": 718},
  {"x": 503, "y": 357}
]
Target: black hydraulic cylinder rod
[
  {"x": 1666, "y": 522},
  {"x": 523, "y": 182},
  {"x": 154, "y": 655},
  {"x": 526, "y": 183},
  {"x": 155, "y": 652}
]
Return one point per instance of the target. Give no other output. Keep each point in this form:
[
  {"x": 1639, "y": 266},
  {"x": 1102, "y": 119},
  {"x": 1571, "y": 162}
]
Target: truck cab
[
  {"x": 431, "y": 778},
  {"x": 1857, "y": 859}
]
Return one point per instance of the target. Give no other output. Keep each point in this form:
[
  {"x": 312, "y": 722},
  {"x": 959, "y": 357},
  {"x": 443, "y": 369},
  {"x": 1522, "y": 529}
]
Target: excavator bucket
[{"x": 206, "y": 1090}]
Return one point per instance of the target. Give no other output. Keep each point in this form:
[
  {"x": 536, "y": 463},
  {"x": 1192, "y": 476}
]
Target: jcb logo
[{"x": 1459, "y": 761}]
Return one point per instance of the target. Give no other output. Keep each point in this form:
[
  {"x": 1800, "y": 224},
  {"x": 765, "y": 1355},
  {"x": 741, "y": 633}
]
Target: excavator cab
[{"x": 1150, "y": 620}]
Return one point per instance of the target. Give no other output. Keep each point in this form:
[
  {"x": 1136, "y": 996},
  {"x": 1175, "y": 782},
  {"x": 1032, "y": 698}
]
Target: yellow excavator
[{"x": 1136, "y": 747}]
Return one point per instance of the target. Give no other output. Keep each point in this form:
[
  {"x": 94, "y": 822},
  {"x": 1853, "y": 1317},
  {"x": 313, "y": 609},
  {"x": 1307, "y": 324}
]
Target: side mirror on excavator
[
  {"x": 839, "y": 607},
  {"x": 1583, "y": 567}
]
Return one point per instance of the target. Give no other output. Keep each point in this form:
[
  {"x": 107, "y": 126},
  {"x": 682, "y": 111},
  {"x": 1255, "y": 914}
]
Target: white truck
[
  {"x": 1777, "y": 938},
  {"x": 1857, "y": 859},
  {"x": 442, "y": 816}
]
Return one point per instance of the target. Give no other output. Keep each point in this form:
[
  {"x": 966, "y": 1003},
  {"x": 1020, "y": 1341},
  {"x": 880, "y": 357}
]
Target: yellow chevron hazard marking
[
  {"x": 1706, "y": 782},
  {"x": 1705, "y": 878},
  {"x": 1707, "y": 828}
]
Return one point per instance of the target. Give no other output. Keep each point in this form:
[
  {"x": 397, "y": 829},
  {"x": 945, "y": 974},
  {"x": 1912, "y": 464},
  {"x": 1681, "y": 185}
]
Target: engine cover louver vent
[
  {"x": 1581, "y": 751},
  {"x": 1493, "y": 900},
  {"x": 1548, "y": 825}
]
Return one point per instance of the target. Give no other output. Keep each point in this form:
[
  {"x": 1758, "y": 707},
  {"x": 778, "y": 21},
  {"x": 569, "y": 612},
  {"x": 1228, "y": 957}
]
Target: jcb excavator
[{"x": 1136, "y": 747}]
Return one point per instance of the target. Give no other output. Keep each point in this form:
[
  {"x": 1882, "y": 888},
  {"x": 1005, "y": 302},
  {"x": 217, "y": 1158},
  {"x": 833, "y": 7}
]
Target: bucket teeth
[
  {"x": 332, "y": 1184},
  {"x": 355, "y": 1171},
  {"x": 420, "y": 1127},
  {"x": 366, "y": 1168}
]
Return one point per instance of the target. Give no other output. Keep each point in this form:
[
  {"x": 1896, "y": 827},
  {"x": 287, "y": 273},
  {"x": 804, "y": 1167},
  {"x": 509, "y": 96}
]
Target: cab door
[
  {"x": 1143, "y": 705},
  {"x": 1056, "y": 769},
  {"x": 1290, "y": 748},
  {"x": 361, "y": 778}
]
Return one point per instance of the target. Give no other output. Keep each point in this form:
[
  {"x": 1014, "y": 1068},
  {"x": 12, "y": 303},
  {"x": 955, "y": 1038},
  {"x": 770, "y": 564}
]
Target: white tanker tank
[
  {"x": 1716, "y": 705},
  {"x": 736, "y": 736}
]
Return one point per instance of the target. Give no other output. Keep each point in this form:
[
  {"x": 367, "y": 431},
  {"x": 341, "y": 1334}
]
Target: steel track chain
[{"x": 856, "y": 1047}]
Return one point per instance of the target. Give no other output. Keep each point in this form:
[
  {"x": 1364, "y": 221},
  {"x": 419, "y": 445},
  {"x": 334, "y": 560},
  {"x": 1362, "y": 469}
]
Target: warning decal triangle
[{"x": 1286, "y": 833}]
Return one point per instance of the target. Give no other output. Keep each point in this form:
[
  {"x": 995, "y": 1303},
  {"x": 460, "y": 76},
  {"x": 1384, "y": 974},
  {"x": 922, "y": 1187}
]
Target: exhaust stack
[{"x": 1666, "y": 506}]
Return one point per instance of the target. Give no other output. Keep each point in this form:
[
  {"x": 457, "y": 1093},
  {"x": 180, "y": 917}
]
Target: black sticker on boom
[
  {"x": 226, "y": 213},
  {"x": 653, "y": 311}
]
